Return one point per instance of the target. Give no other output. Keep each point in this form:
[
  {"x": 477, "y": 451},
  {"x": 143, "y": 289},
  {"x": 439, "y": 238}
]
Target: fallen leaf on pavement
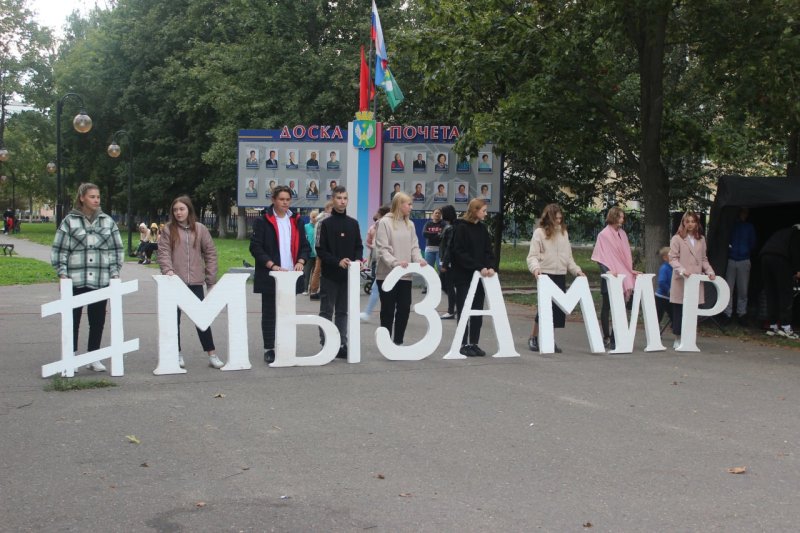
[
  {"x": 132, "y": 439},
  {"x": 587, "y": 524},
  {"x": 737, "y": 470},
  {"x": 219, "y": 395},
  {"x": 145, "y": 465},
  {"x": 380, "y": 476},
  {"x": 405, "y": 495},
  {"x": 200, "y": 504}
]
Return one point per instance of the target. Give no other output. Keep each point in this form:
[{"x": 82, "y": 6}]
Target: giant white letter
[
  {"x": 173, "y": 293},
  {"x": 691, "y": 310},
  {"x": 549, "y": 293},
  {"x": 496, "y": 310},
  {"x": 625, "y": 331},
  {"x": 427, "y": 308},
  {"x": 287, "y": 321}
]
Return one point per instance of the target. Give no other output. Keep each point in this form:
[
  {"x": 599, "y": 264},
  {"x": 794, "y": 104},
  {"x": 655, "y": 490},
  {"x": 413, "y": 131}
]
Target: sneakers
[
  {"x": 676, "y": 343},
  {"x": 533, "y": 344},
  {"x": 314, "y": 296},
  {"x": 467, "y": 350},
  {"x": 181, "y": 363},
  {"x": 215, "y": 362},
  {"x": 447, "y": 316},
  {"x": 609, "y": 343},
  {"x": 342, "y": 354},
  {"x": 97, "y": 366},
  {"x": 364, "y": 317},
  {"x": 556, "y": 349},
  {"x": 269, "y": 355},
  {"x": 787, "y": 333},
  {"x": 471, "y": 350},
  {"x": 305, "y": 293}
]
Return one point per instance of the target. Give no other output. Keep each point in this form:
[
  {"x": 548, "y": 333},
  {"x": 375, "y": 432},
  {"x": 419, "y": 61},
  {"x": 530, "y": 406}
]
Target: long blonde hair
[
  {"x": 471, "y": 214},
  {"x": 395, "y": 212}
]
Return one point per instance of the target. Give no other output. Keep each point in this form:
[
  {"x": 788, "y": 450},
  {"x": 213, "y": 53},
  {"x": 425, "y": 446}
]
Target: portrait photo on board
[
  {"x": 441, "y": 162},
  {"x": 271, "y": 184},
  {"x": 331, "y": 185},
  {"x": 251, "y": 191},
  {"x": 484, "y": 162},
  {"x": 420, "y": 162},
  {"x": 312, "y": 160},
  {"x": 485, "y": 191},
  {"x": 272, "y": 158},
  {"x": 292, "y": 184},
  {"x": 333, "y": 160},
  {"x": 462, "y": 192},
  {"x": 397, "y": 186},
  {"x": 398, "y": 165},
  {"x": 251, "y": 161},
  {"x": 440, "y": 193},
  {"x": 419, "y": 192},
  {"x": 291, "y": 159},
  {"x": 312, "y": 189}
]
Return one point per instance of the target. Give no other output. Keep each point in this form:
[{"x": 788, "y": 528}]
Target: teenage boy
[
  {"x": 278, "y": 244},
  {"x": 339, "y": 245}
]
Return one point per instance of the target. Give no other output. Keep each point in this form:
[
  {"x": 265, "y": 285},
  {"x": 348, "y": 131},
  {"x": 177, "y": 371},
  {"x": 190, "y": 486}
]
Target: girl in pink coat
[{"x": 687, "y": 256}]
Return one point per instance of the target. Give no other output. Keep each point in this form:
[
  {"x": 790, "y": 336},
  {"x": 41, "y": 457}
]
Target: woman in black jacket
[{"x": 471, "y": 252}]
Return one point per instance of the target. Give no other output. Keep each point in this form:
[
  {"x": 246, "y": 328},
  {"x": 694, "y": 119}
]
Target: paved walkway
[{"x": 638, "y": 442}]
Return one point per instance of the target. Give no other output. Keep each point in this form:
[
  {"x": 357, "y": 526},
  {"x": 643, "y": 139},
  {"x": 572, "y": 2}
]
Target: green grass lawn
[{"x": 17, "y": 270}]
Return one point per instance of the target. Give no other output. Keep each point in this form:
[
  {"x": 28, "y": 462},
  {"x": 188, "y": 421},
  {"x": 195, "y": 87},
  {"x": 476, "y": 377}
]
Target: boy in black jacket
[{"x": 339, "y": 245}]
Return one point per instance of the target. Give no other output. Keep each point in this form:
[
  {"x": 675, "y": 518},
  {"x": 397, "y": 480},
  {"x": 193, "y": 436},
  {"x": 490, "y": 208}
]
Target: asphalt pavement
[{"x": 568, "y": 442}]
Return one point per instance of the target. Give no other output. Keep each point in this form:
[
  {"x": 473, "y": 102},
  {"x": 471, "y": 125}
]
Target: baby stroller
[{"x": 368, "y": 276}]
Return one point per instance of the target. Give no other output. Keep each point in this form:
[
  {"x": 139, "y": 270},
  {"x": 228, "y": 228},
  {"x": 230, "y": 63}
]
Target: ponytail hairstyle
[{"x": 84, "y": 188}]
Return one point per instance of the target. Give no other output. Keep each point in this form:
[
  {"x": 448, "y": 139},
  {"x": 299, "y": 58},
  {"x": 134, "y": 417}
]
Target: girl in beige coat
[
  {"x": 396, "y": 245},
  {"x": 687, "y": 256},
  {"x": 551, "y": 254}
]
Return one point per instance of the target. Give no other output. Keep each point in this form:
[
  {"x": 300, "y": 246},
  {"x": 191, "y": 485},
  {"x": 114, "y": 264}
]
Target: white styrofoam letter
[
  {"x": 426, "y": 307},
  {"x": 229, "y": 291},
  {"x": 118, "y": 347},
  {"x": 549, "y": 293},
  {"x": 354, "y": 312},
  {"x": 287, "y": 321},
  {"x": 691, "y": 310},
  {"x": 496, "y": 310},
  {"x": 624, "y": 330}
]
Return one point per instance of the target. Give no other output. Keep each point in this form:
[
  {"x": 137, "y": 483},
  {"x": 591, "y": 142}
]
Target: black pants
[
  {"x": 206, "y": 339},
  {"x": 663, "y": 306},
  {"x": 777, "y": 276},
  {"x": 97, "y": 320},
  {"x": 473, "y": 332},
  {"x": 559, "y": 318},
  {"x": 449, "y": 289},
  {"x": 677, "y": 318},
  {"x": 268, "y": 319},
  {"x": 605, "y": 309},
  {"x": 333, "y": 299},
  {"x": 395, "y": 308}
]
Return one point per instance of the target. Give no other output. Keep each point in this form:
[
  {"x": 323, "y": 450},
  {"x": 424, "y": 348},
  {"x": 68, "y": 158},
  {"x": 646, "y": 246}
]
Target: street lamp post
[
  {"x": 82, "y": 124},
  {"x": 114, "y": 151}
]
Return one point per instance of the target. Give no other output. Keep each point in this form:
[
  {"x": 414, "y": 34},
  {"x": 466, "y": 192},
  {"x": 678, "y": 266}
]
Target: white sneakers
[
  {"x": 97, "y": 366},
  {"x": 676, "y": 343},
  {"x": 786, "y": 332},
  {"x": 364, "y": 317},
  {"x": 181, "y": 363},
  {"x": 214, "y": 362}
]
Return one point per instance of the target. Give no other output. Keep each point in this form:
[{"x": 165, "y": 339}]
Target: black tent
[{"x": 774, "y": 204}]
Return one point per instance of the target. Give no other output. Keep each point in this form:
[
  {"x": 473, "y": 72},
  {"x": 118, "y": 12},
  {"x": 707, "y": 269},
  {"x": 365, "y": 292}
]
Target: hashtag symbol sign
[{"x": 118, "y": 347}]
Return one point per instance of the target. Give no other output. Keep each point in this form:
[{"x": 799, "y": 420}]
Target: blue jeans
[{"x": 432, "y": 258}]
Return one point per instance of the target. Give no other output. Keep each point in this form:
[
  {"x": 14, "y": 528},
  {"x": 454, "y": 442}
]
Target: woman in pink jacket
[
  {"x": 687, "y": 256},
  {"x": 186, "y": 250}
]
